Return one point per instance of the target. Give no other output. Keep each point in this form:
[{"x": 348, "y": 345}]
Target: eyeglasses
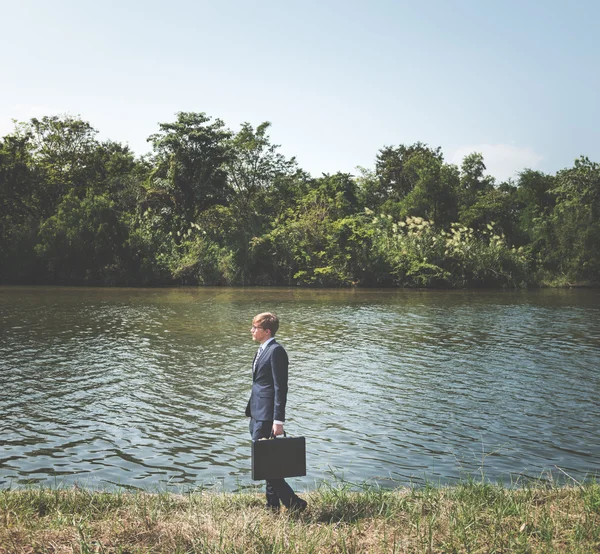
[{"x": 255, "y": 327}]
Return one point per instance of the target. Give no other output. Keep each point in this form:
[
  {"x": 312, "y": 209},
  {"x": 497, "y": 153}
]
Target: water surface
[{"x": 147, "y": 387}]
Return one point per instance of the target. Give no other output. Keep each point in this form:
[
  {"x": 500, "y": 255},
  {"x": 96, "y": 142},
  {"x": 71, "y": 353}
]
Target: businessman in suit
[{"x": 266, "y": 407}]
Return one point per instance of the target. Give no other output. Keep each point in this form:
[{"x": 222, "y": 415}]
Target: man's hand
[{"x": 277, "y": 429}]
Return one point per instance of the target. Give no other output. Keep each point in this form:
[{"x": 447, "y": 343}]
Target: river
[{"x": 146, "y": 388}]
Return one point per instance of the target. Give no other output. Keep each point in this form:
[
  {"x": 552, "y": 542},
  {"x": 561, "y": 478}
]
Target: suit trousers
[{"x": 277, "y": 489}]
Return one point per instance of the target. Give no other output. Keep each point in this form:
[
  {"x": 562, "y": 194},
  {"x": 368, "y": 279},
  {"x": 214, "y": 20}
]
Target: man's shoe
[{"x": 298, "y": 505}]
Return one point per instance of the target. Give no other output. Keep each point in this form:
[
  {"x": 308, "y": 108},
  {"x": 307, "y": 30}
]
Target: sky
[{"x": 518, "y": 81}]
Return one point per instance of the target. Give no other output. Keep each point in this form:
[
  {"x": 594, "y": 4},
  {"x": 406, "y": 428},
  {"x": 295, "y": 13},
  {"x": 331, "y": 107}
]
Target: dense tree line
[{"x": 212, "y": 206}]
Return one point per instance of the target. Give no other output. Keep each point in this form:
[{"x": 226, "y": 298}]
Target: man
[{"x": 266, "y": 407}]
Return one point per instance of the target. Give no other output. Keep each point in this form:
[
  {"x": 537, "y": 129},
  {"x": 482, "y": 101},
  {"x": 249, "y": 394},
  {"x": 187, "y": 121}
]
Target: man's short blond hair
[{"x": 267, "y": 320}]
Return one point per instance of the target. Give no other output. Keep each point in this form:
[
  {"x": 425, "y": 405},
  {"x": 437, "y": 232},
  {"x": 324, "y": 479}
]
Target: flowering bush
[{"x": 419, "y": 254}]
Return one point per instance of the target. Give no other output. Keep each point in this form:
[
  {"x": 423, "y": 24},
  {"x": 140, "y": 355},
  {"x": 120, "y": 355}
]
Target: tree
[
  {"x": 262, "y": 183},
  {"x": 534, "y": 206},
  {"x": 339, "y": 190},
  {"x": 496, "y": 206},
  {"x": 396, "y": 180},
  {"x": 20, "y": 209},
  {"x": 63, "y": 150},
  {"x": 83, "y": 241},
  {"x": 190, "y": 156},
  {"x": 433, "y": 196},
  {"x": 473, "y": 182},
  {"x": 16, "y": 182},
  {"x": 576, "y": 222},
  {"x": 254, "y": 163}
]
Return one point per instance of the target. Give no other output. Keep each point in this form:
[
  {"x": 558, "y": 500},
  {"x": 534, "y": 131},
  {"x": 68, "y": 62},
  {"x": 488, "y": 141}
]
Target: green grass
[{"x": 469, "y": 517}]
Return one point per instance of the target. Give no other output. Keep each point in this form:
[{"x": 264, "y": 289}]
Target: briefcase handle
[{"x": 274, "y": 437}]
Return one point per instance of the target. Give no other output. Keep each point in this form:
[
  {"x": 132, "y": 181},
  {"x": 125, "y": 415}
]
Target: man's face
[{"x": 259, "y": 334}]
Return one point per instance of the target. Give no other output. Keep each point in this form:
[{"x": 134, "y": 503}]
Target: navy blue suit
[
  {"x": 269, "y": 385},
  {"x": 267, "y": 403}
]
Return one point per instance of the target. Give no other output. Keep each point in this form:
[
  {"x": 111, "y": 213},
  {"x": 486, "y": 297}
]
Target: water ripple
[{"x": 147, "y": 388}]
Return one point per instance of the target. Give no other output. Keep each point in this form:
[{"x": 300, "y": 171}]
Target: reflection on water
[{"x": 147, "y": 388}]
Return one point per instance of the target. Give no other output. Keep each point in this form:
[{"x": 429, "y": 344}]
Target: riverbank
[{"x": 469, "y": 517}]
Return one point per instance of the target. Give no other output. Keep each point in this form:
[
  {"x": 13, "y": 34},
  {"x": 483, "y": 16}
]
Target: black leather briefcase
[{"x": 278, "y": 458}]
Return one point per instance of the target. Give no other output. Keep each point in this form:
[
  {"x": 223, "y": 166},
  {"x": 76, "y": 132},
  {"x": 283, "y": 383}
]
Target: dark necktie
[{"x": 258, "y": 354}]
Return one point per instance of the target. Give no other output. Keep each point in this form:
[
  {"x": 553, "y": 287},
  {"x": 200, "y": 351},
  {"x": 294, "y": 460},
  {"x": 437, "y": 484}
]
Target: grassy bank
[{"x": 469, "y": 517}]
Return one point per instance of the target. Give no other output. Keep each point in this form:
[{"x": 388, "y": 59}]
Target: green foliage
[
  {"x": 254, "y": 164},
  {"x": 411, "y": 248},
  {"x": 63, "y": 150},
  {"x": 497, "y": 206},
  {"x": 263, "y": 182},
  {"x": 434, "y": 194},
  {"x": 299, "y": 244},
  {"x": 151, "y": 246},
  {"x": 19, "y": 209},
  {"x": 190, "y": 154},
  {"x": 396, "y": 176},
  {"x": 484, "y": 259},
  {"x": 575, "y": 222},
  {"x": 217, "y": 207},
  {"x": 82, "y": 241},
  {"x": 473, "y": 182},
  {"x": 320, "y": 241},
  {"x": 204, "y": 262},
  {"x": 423, "y": 255}
]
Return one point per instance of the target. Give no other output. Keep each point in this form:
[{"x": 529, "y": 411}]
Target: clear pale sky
[{"x": 338, "y": 80}]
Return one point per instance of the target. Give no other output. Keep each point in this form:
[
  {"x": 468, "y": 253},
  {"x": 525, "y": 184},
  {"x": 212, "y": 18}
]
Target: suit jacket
[{"x": 269, "y": 385}]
